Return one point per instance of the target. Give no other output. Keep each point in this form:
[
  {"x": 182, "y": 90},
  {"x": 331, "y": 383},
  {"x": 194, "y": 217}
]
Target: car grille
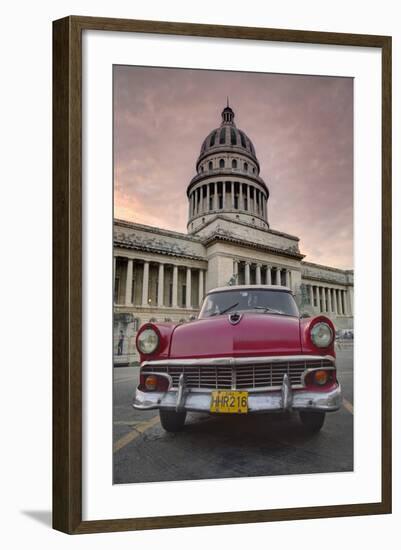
[{"x": 268, "y": 375}]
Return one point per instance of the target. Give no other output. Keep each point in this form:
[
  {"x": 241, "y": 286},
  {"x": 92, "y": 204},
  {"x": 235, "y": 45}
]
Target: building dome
[
  {"x": 227, "y": 178},
  {"x": 228, "y": 136}
]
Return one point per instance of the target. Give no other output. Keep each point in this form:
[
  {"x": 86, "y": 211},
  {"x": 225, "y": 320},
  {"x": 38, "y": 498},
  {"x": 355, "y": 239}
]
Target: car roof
[{"x": 250, "y": 287}]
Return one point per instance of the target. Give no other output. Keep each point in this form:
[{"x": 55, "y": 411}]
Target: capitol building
[{"x": 162, "y": 275}]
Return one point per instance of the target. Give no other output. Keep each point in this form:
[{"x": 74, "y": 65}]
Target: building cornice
[
  {"x": 321, "y": 266},
  {"x": 159, "y": 231},
  {"x": 216, "y": 237},
  {"x": 249, "y": 225},
  {"x": 131, "y": 245}
]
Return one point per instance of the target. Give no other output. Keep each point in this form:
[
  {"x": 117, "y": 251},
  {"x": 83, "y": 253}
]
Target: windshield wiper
[
  {"x": 224, "y": 310},
  {"x": 270, "y": 310}
]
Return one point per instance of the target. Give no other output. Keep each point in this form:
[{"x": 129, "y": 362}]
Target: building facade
[{"x": 162, "y": 275}]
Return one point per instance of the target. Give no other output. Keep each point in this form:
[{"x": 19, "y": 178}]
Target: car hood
[{"x": 254, "y": 334}]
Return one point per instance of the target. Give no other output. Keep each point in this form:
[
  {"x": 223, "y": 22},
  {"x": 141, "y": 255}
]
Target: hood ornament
[{"x": 234, "y": 318}]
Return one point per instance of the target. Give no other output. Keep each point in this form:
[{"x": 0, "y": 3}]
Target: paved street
[{"x": 228, "y": 446}]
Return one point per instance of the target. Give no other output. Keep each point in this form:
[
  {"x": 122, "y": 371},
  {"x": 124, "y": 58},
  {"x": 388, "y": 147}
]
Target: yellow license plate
[{"x": 229, "y": 402}]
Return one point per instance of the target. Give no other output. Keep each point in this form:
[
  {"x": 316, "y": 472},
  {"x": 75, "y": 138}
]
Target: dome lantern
[{"x": 227, "y": 115}]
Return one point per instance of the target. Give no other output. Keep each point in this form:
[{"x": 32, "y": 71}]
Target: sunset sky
[{"x": 301, "y": 127}]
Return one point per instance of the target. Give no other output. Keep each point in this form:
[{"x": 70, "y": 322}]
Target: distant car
[{"x": 248, "y": 352}]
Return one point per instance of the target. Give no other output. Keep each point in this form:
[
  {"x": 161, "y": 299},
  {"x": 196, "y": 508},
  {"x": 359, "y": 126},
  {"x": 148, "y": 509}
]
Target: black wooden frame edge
[{"x": 67, "y": 271}]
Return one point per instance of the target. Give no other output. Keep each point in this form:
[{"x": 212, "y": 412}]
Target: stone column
[
  {"x": 317, "y": 290},
  {"x": 344, "y": 302},
  {"x": 329, "y": 305},
  {"x": 247, "y": 273},
  {"x": 311, "y": 295},
  {"x": 235, "y": 271},
  {"x": 268, "y": 275},
  {"x": 160, "y": 286},
  {"x": 287, "y": 278},
  {"x": 145, "y": 284},
  {"x": 128, "y": 283},
  {"x": 335, "y": 307},
  {"x": 207, "y": 197},
  {"x": 200, "y": 289},
  {"x": 278, "y": 276},
  {"x": 339, "y": 305},
  {"x": 248, "y": 197},
  {"x": 351, "y": 300},
  {"x": 175, "y": 286},
  {"x": 258, "y": 275},
  {"x": 324, "y": 303},
  {"x": 188, "y": 289},
  {"x": 240, "y": 198},
  {"x": 215, "y": 201}
]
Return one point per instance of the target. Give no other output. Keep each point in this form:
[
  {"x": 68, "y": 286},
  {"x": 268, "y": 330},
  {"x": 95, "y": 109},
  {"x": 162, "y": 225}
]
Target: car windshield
[{"x": 256, "y": 301}]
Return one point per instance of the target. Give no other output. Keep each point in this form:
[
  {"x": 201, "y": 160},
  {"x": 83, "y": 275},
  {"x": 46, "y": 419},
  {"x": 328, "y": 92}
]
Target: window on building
[
  {"x": 183, "y": 294},
  {"x": 210, "y": 165},
  {"x": 233, "y": 137},
  {"x": 135, "y": 324},
  {"x": 211, "y": 202},
  {"x": 220, "y": 202},
  {"x": 221, "y": 163},
  {"x": 246, "y": 166},
  {"x": 236, "y": 202},
  {"x": 222, "y": 135},
  {"x": 212, "y": 139},
  {"x": 234, "y": 163}
]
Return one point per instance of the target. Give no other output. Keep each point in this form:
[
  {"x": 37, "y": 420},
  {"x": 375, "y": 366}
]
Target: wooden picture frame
[{"x": 67, "y": 274}]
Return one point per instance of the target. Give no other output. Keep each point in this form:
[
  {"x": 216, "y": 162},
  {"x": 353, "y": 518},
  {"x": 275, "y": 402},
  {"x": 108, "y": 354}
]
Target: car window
[{"x": 257, "y": 301}]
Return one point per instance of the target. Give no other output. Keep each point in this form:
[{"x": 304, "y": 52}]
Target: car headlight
[
  {"x": 322, "y": 335},
  {"x": 148, "y": 340}
]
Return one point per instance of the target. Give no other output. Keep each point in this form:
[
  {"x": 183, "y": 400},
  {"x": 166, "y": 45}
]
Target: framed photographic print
[{"x": 222, "y": 275}]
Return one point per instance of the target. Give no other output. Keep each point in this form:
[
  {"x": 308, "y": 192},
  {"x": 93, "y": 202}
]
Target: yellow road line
[
  {"x": 348, "y": 406},
  {"x": 136, "y": 432}
]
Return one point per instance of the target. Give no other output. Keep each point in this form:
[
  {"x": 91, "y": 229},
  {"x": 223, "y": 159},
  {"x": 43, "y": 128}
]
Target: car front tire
[
  {"x": 313, "y": 421},
  {"x": 172, "y": 421}
]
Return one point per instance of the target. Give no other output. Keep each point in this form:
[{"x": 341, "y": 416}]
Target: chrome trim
[
  {"x": 233, "y": 361},
  {"x": 286, "y": 393},
  {"x": 324, "y": 401},
  {"x": 180, "y": 393}
]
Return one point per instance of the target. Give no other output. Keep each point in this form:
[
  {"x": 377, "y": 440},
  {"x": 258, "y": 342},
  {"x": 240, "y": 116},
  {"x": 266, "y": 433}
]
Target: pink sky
[{"x": 301, "y": 127}]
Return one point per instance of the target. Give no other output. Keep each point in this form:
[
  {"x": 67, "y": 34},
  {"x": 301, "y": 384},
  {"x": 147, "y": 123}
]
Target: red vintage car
[{"x": 248, "y": 352}]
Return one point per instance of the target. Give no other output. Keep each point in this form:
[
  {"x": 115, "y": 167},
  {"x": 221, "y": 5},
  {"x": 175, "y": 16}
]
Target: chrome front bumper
[{"x": 184, "y": 399}]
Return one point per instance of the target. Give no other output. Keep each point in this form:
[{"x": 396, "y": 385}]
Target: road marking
[
  {"x": 136, "y": 432},
  {"x": 348, "y": 406}
]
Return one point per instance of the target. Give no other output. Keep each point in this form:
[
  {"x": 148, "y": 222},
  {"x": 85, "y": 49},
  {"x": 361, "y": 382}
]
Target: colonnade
[{"x": 221, "y": 195}]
